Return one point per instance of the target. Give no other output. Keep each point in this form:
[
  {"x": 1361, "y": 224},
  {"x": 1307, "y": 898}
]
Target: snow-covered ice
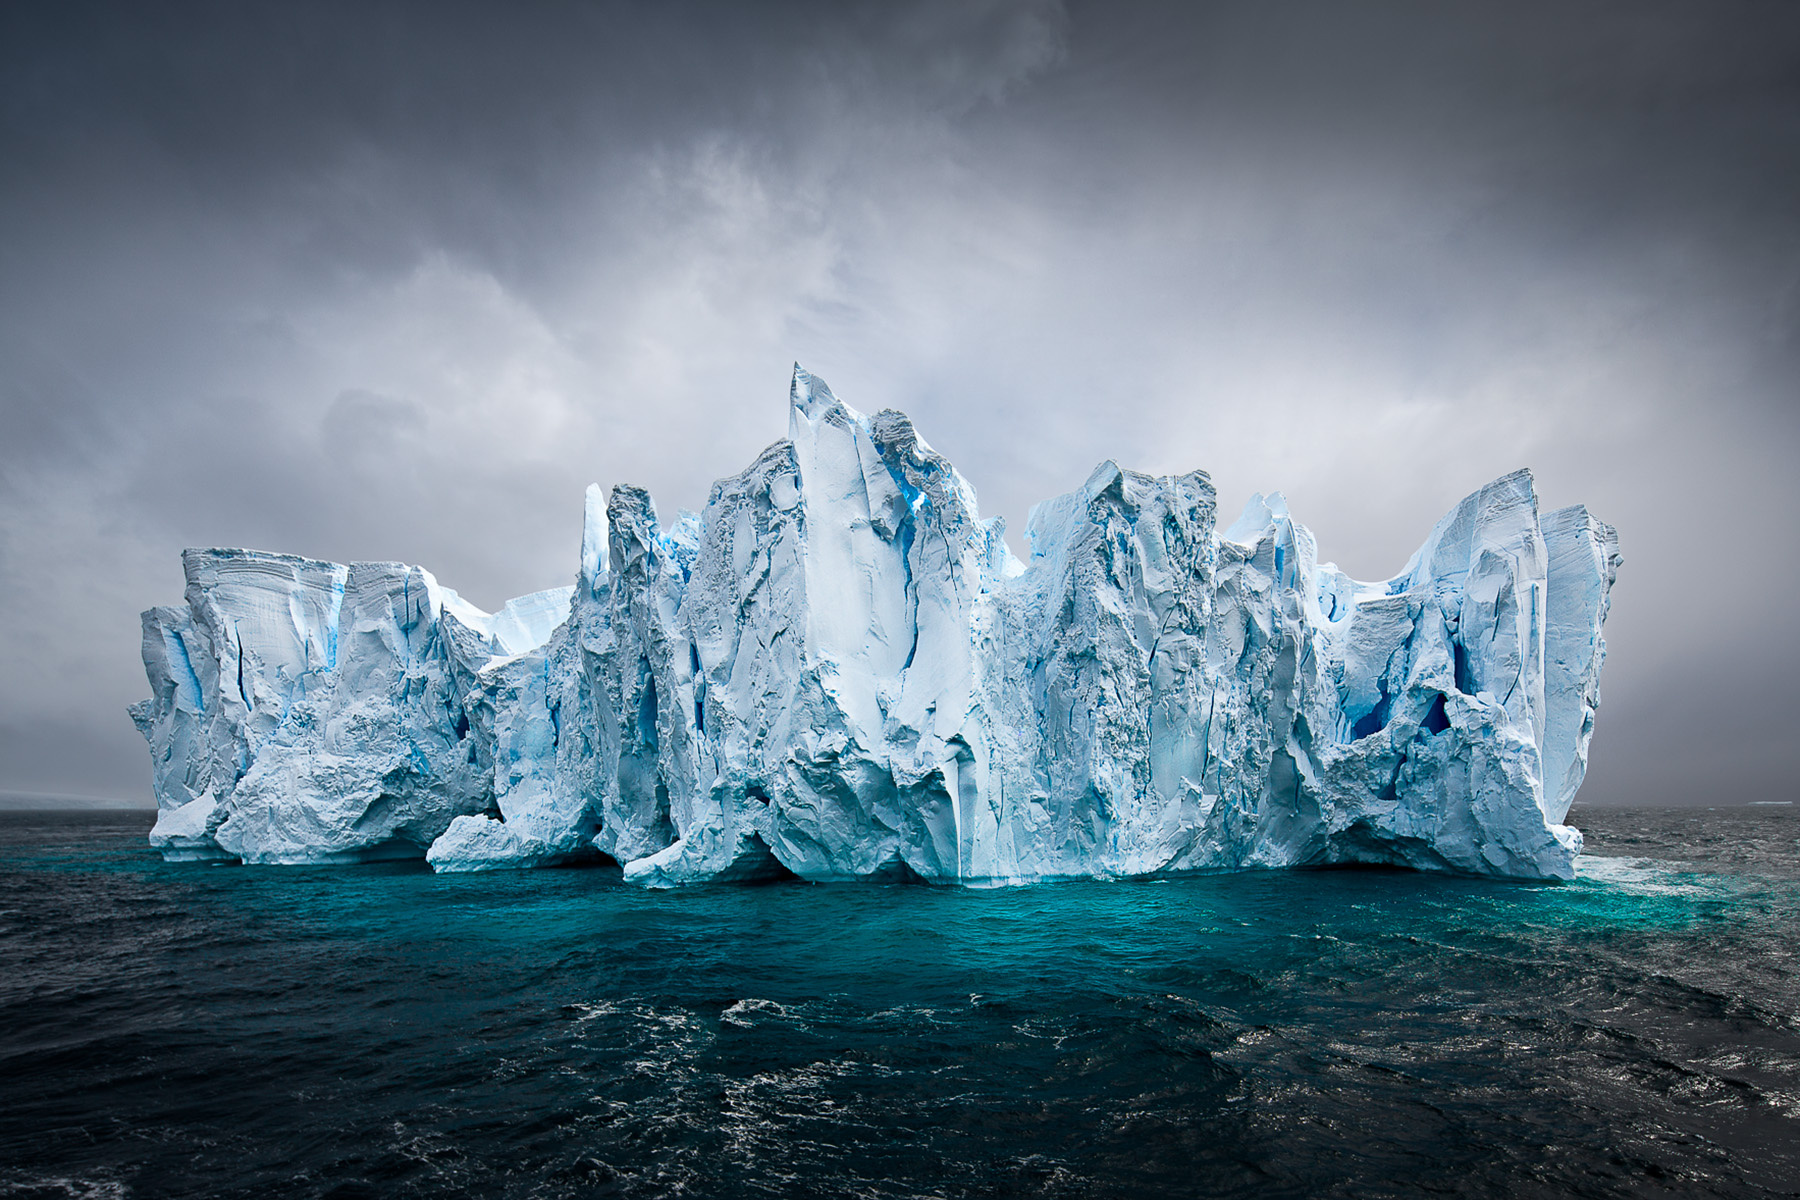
[{"x": 839, "y": 670}]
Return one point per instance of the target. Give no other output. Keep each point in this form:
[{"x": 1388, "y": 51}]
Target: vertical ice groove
[{"x": 838, "y": 670}]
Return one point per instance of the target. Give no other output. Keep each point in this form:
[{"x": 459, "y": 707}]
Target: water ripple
[{"x": 197, "y": 1031}]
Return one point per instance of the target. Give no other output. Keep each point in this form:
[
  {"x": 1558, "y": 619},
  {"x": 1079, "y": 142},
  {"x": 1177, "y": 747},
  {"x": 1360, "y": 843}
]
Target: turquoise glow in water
[{"x": 191, "y": 1030}]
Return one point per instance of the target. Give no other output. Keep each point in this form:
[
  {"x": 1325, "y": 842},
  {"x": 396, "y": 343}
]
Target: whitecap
[
  {"x": 742, "y": 1012},
  {"x": 1645, "y": 875}
]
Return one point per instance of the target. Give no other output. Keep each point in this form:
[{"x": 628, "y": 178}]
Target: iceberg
[{"x": 839, "y": 671}]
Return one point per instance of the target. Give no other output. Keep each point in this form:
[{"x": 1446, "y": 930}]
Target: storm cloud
[{"x": 396, "y": 281}]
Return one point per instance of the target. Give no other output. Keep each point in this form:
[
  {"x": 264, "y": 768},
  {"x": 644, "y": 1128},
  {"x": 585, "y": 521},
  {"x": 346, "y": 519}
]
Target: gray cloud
[{"x": 396, "y": 281}]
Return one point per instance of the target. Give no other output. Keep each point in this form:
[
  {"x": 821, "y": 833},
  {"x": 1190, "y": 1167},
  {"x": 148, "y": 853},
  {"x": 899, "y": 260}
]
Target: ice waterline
[{"x": 840, "y": 671}]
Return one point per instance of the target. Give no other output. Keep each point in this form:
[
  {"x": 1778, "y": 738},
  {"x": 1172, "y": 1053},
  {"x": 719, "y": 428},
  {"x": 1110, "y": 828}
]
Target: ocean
[{"x": 191, "y": 1030}]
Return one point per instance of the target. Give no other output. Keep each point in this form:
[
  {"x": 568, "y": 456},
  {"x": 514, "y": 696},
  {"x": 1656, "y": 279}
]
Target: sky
[{"x": 397, "y": 281}]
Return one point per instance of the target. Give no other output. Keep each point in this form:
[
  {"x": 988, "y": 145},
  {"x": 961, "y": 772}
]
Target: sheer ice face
[{"x": 839, "y": 671}]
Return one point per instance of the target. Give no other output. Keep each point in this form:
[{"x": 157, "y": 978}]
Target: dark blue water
[{"x": 380, "y": 1031}]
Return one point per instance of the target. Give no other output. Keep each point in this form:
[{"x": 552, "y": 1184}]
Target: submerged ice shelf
[{"x": 839, "y": 670}]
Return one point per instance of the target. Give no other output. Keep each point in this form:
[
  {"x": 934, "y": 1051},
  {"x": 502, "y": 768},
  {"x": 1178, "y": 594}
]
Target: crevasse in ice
[{"x": 840, "y": 671}]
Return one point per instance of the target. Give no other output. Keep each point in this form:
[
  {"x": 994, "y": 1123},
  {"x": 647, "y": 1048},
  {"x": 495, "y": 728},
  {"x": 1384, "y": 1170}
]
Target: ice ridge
[{"x": 839, "y": 671}]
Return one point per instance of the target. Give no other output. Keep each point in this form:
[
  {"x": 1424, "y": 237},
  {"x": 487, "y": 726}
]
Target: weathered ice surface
[{"x": 839, "y": 671}]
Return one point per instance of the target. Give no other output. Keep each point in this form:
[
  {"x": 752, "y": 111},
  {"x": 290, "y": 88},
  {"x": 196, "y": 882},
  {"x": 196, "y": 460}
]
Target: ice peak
[
  {"x": 1260, "y": 512},
  {"x": 810, "y": 394},
  {"x": 593, "y": 537}
]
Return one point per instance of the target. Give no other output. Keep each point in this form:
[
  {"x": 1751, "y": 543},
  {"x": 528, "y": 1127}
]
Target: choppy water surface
[{"x": 203, "y": 1031}]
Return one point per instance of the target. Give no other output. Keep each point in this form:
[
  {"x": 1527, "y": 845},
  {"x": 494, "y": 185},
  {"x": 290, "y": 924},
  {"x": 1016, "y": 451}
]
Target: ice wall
[{"x": 839, "y": 671}]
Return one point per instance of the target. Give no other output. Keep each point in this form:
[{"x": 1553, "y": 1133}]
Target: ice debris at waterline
[{"x": 839, "y": 670}]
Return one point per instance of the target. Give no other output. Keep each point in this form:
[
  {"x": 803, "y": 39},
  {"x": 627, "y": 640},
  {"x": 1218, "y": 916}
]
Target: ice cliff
[{"x": 839, "y": 671}]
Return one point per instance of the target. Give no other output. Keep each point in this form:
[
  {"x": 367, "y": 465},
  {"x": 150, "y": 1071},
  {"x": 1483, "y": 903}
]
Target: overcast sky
[{"x": 379, "y": 281}]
